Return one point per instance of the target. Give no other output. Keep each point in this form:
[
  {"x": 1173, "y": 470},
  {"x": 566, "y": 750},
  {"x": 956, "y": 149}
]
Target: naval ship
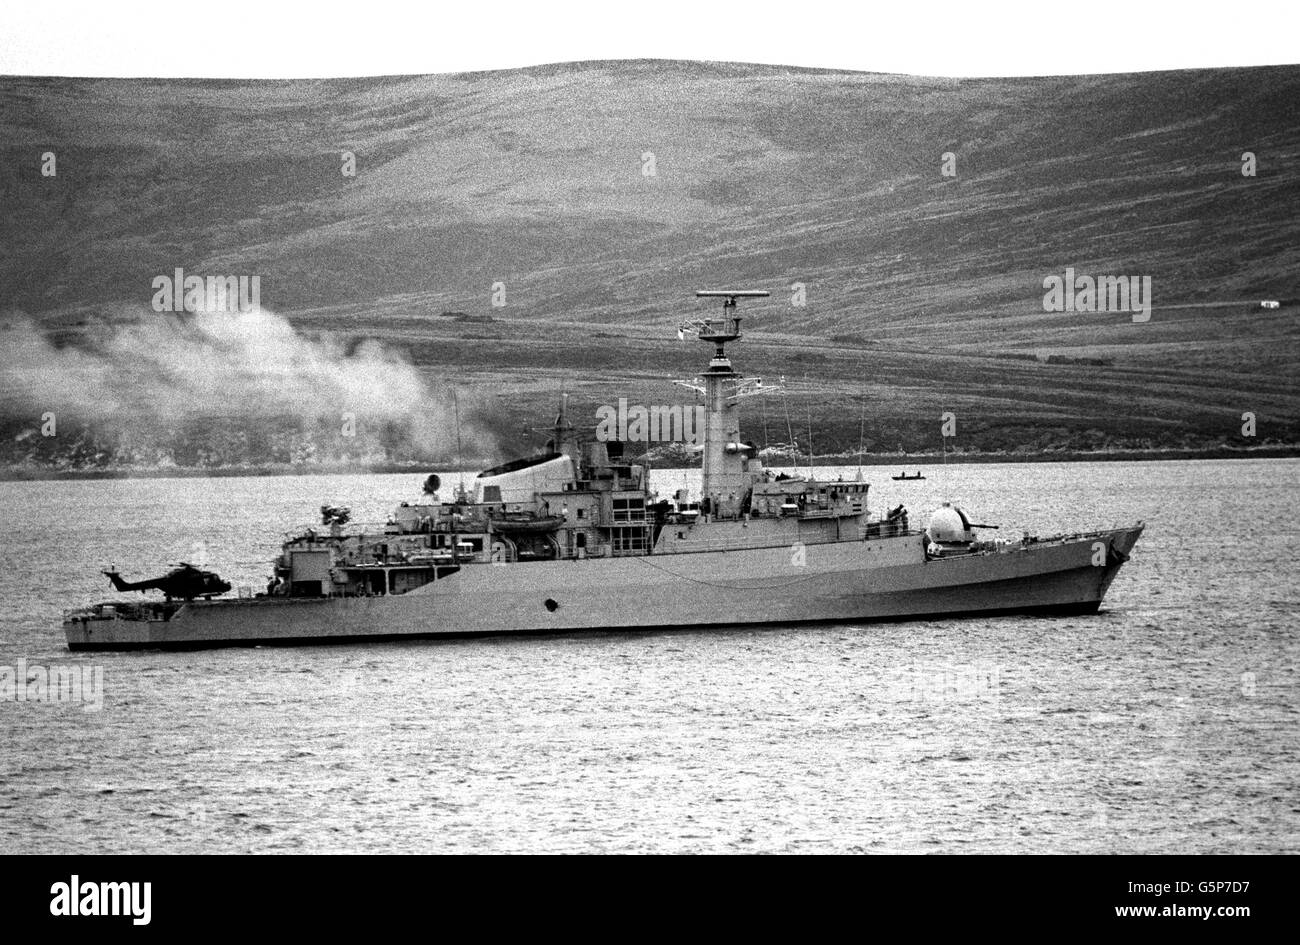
[{"x": 573, "y": 539}]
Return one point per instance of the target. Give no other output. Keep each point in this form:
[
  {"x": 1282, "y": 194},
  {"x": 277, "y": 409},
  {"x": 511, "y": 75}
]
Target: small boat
[
  {"x": 514, "y": 522},
  {"x": 906, "y": 477}
]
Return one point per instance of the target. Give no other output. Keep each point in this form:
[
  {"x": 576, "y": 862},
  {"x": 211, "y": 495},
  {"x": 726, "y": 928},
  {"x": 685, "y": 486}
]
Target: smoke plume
[{"x": 148, "y": 368}]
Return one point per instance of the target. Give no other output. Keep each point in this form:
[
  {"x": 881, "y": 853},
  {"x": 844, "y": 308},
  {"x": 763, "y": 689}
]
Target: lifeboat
[{"x": 526, "y": 523}]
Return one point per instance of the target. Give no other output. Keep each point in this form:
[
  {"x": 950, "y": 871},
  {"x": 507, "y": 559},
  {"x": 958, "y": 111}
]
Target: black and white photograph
[{"x": 656, "y": 430}]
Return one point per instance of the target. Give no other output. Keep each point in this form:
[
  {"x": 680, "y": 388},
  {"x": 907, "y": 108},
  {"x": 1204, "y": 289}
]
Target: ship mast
[{"x": 726, "y": 479}]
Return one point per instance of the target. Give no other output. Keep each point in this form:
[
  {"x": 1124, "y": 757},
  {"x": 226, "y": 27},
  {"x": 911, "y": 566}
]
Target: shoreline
[{"x": 880, "y": 460}]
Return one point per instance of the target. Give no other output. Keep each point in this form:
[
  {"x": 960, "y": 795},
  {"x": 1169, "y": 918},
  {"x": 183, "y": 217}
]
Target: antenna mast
[
  {"x": 725, "y": 476},
  {"x": 460, "y": 467},
  {"x": 808, "y": 405},
  {"x": 862, "y": 429}
]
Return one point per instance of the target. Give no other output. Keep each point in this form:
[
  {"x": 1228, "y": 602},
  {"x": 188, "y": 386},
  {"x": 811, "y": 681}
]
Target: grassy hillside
[{"x": 924, "y": 292}]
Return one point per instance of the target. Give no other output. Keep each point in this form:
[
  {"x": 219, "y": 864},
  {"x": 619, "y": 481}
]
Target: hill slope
[{"x": 924, "y": 292}]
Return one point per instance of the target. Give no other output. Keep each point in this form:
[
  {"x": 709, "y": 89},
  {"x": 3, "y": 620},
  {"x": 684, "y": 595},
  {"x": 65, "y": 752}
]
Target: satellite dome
[{"x": 949, "y": 524}]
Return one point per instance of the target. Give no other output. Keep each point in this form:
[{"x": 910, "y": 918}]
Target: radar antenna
[{"x": 720, "y": 331}]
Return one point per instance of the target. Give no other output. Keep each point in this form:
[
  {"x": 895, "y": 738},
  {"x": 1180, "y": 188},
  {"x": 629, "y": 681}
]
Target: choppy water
[{"x": 1168, "y": 723}]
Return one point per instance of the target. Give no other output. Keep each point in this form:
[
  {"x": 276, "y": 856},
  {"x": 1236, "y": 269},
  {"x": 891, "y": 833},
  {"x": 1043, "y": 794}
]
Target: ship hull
[{"x": 862, "y": 581}]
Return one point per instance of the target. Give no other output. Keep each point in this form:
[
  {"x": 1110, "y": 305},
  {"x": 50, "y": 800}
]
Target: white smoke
[{"x": 173, "y": 367}]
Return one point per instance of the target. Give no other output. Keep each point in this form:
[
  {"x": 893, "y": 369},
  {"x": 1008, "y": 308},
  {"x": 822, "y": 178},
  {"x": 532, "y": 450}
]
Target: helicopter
[{"x": 186, "y": 581}]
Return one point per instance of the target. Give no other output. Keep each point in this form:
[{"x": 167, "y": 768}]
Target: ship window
[
  {"x": 629, "y": 510},
  {"x": 491, "y": 493},
  {"x": 628, "y": 540}
]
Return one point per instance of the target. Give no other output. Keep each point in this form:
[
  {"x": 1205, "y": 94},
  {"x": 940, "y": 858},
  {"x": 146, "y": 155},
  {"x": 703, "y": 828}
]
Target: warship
[{"x": 573, "y": 539}]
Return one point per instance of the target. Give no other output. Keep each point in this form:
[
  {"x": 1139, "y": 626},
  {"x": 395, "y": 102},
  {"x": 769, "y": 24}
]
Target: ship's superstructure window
[
  {"x": 629, "y": 510},
  {"x": 628, "y": 541}
]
